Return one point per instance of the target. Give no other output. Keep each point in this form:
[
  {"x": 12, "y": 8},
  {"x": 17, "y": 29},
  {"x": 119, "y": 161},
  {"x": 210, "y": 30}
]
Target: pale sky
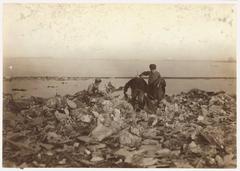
[{"x": 159, "y": 31}]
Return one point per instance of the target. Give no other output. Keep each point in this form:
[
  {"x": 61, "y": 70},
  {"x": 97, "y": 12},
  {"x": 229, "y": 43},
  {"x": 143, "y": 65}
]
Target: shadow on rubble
[{"x": 196, "y": 129}]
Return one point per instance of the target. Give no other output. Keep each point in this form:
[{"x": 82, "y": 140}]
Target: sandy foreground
[{"x": 194, "y": 129}]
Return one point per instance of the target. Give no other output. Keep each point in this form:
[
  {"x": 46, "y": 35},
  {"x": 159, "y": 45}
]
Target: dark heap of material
[{"x": 194, "y": 129}]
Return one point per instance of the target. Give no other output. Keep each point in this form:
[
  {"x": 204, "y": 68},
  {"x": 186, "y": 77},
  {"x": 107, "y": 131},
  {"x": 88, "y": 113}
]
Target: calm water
[
  {"x": 40, "y": 87},
  {"x": 113, "y": 68},
  {"x": 71, "y": 67}
]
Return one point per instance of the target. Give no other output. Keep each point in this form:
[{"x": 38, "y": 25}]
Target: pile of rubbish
[{"x": 196, "y": 129}]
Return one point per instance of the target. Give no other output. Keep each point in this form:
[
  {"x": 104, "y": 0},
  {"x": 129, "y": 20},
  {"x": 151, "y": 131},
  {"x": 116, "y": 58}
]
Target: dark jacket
[
  {"x": 136, "y": 83},
  {"x": 153, "y": 77},
  {"x": 138, "y": 88},
  {"x": 156, "y": 85}
]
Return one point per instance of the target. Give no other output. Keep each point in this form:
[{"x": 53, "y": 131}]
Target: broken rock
[
  {"x": 107, "y": 106},
  {"x": 86, "y": 118},
  {"x": 165, "y": 152},
  {"x": 97, "y": 159},
  {"x": 128, "y": 139},
  {"x": 136, "y": 130},
  {"x": 71, "y": 104},
  {"x": 63, "y": 161},
  {"x": 150, "y": 142},
  {"x": 229, "y": 161},
  {"x": 52, "y": 137},
  {"x": 194, "y": 148},
  {"x": 219, "y": 161},
  {"x": 130, "y": 156},
  {"x": 55, "y": 102},
  {"x": 61, "y": 116},
  {"x": 145, "y": 162},
  {"x": 85, "y": 139},
  {"x": 200, "y": 118},
  {"x": 101, "y": 132}
]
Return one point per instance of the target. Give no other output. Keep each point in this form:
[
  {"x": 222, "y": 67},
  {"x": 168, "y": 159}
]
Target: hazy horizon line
[
  {"x": 145, "y": 59},
  {"x": 108, "y": 77}
]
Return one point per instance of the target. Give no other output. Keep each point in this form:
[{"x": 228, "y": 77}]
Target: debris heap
[{"x": 196, "y": 129}]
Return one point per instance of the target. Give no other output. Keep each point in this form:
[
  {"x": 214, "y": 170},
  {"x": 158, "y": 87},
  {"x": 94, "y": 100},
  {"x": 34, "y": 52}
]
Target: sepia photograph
[{"x": 119, "y": 85}]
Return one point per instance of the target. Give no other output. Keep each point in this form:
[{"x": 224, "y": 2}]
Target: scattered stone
[
  {"x": 229, "y": 161},
  {"x": 163, "y": 152},
  {"x": 86, "y": 118},
  {"x": 148, "y": 162},
  {"x": 192, "y": 129},
  {"x": 52, "y": 137},
  {"x": 46, "y": 146},
  {"x": 130, "y": 156},
  {"x": 101, "y": 132},
  {"x": 128, "y": 139},
  {"x": 85, "y": 139},
  {"x": 219, "y": 160},
  {"x": 175, "y": 153},
  {"x": 200, "y": 118},
  {"x": 62, "y": 162},
  {"x": 99, "y": 146},
  {"x": 97, "y": 159},
  {"x": 136, "y": 130},
  {"x": 212, "y": 161},
  {"x": 194, "y": 148},
  {"x": 87, "y": 151},
  {"x": 49, "y": 153},
  {"x": 117, "y": 114},
  {"x": 76, "y": 145},
  {"x": 204, "y": 111},
  {"x": 62, "y": 117},
  {"x": 23, "y": 165},
  {"x": 127, "y": 154},
  {"x": 192, "y": 145},
  {"x": 71, "y": 104},
  {"x": 150, "y": 142},
  {"x": 182, "y": 164},
  {"x": 55, "y": 102},
  {"x": 150, "y": 150},
  {"x": 66, "y": 111},
  {"x": 96, "y": 114},
  {"x": 150, "y": 133}
]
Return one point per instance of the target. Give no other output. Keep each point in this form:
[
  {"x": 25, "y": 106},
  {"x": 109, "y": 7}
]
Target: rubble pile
[{"x": 196, "y": 129}]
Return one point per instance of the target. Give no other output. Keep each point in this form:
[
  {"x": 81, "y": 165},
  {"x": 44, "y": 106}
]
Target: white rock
[
  {"x": 164, "y": 152},
  {"x": 63, "y": 161},
  {"x": 200, "y": 118},
  {"x": 117, "y": 115},
  {"x": 66, "y": 111},
  {"x": 219, "y": 161},
  {"x": 87, "y": 151},
  {"x": 192, "y": 144},
  {"x": 86, "y": 118},
  {"x": 49, "y": 153},
  {"x": 76, "y": 144},
  {"x": 101, "y": 132},
  {"x": 96, "y": 114},
  {"x": 129, "y": 139},
  {"x": 71, "y": 104},
  {"x": 97, "y": 159}
]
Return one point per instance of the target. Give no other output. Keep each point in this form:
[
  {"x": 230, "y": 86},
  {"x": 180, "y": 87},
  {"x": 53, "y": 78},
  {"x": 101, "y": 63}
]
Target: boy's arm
[
  {"x": 127, "y": 85},
  {"x": 90, "y": 87},
  {"x": 145, "y": 73}
]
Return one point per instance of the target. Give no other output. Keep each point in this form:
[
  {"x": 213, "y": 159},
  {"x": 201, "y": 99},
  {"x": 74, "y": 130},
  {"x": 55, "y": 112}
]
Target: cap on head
[
  {"x": 152, "y": 66},
  {"x": 98, "y": 80}
]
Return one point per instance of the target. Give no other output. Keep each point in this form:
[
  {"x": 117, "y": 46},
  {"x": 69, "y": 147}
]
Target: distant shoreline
[
  {"x": 87, "y": 78},
  {"x": 127, "y": 59}
]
